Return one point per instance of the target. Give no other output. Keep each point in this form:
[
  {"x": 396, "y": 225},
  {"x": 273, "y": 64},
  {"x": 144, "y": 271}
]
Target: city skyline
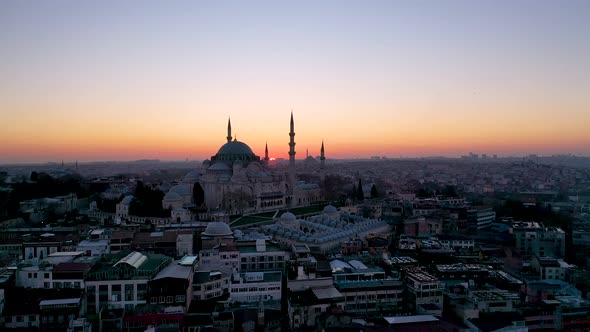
[{"x": 144, "y": 80}]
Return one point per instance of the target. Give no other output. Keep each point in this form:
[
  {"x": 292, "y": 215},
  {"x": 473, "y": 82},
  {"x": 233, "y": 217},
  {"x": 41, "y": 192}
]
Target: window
[
  {"x": 162, "y": 299},
  {"x": 32, "y": 318},
  {"x": 180, "y": 298},
  {"x": 19, "y": 319},
  {"x": 154, "y": 300},
  {"x": 168, "y": 299},
  {"x": 46, "y": 275},
  {"x": 129, "y": 292}
]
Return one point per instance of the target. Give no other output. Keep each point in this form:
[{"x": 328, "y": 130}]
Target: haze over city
[{"x": 114, "y": 80}]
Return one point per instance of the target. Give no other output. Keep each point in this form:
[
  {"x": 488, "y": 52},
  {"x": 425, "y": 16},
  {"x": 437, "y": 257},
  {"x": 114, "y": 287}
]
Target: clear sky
[{"x": 123, "y": 80}]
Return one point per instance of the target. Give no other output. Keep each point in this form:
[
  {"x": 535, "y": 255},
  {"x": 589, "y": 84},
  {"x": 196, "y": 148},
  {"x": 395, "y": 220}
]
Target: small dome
[
  {"x": 182, "y": 189},
  {"x": 219, "y": 167},
  {"x": 217, "y": 228},
  {"x": 127, "y": 200},
  {"x": 171, "y": 195},
  {"x": 235, "y": 148},
  {"x": 288, "y": 216},
  {"x": 330, "y": 209},
  {"x": 192, "y": 176}
]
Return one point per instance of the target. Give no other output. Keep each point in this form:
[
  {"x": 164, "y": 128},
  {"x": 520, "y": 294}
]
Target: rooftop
[
  {"x": 175, "y": 271},
  {"x": 410, "y": 319},
  {"x": 327, "y": 293},
  {"x": 200, "y": 277},
  {"x": 252, "y": 248},
  {"x": 72, "y": 267},
  {"x": 370, "y": 284},
  {"x": 420, "y": 275}
]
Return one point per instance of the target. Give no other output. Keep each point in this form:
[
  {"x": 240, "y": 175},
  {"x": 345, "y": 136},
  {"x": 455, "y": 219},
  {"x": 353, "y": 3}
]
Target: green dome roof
[{"x": 235, "y": 148}]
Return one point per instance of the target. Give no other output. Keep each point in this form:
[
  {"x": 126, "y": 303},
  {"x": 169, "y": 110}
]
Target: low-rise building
[
  {"x": 424, "y": 292},
  {"x": 255, "y": 286},
  {"x": 307, "y": 305},
  {"x": 533, "y": 238},
  {"x": 95, "y": 247},
  {"x": 372, "y": 296},
  {"x": 262, "y": 256},
  {"x": 172, "y": 286},
  {"x": 208, "y": 285},
  {"x": 122, "y": 282},
  {"x": 549, "y": 267}
]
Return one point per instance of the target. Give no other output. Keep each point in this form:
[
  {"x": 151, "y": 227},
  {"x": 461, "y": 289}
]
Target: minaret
[
  {"x": 266, "y": 152},
  {"x": 228, "y": 130},
  {"x": 322, "y": 157},
  {"x": 292, "y": 153}
]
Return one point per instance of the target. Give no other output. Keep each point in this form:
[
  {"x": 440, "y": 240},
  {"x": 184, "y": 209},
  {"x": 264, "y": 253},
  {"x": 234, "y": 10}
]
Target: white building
[
  {"x": 533, "y": 238},
  {"x": 255, "y": 286},
  {"x": 549, "y": 267},
  {"x": 425, "y": 291},
  {"x": 209, "y": 284},
  {"x": 262, "y": 256},
  {"x": 94, "y": 247},
  {"x": 184, "y": 244},
  {"x": 225, "y": 258}
]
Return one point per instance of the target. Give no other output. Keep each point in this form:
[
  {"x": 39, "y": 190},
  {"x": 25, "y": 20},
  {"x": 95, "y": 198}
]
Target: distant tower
[
  {"x": 307, "y": 153},
  {"x": 322, "y": 157},
  {"x": 292, "y": 153},
  {"x": 76, "y": 165},
  {"x": 228, "y": 130},
  {"x": 266, "y": 152}
]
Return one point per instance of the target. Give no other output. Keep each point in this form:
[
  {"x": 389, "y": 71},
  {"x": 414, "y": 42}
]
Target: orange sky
[{"x": 113, "y": 81}]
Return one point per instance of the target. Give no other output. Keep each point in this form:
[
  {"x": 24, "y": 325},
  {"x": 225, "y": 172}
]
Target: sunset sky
[{"x": 125, "y": 80}]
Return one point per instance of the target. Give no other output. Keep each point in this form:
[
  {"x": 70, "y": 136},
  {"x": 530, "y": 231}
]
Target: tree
[
  {"x": 148, "y": 202},
  {"x": 360, "y": 195},
  {"x": 374, "y": 193},
  {"x": 450, "y": 191}
]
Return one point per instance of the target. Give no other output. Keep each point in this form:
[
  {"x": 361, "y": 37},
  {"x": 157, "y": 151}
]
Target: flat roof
[
  {"x": 326, "y": 293},
  {"x": 66, "y": 253},
  {"x": 410, "y": 319},
  {"x": 252, "y": 248},
  {"x": 60, "y": 301},
  {"x": 188, "y": 260}
]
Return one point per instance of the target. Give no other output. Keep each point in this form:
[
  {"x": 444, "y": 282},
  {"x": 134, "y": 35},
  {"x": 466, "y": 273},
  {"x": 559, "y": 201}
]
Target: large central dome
[
  {"x": 234, "y": 151},
  {"x": 235, "y": 148}
]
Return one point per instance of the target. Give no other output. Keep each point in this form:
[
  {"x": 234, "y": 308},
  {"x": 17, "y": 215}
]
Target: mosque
[
  {"x": 325, "y": 231},
  {"x": 236, "y": 181}
]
